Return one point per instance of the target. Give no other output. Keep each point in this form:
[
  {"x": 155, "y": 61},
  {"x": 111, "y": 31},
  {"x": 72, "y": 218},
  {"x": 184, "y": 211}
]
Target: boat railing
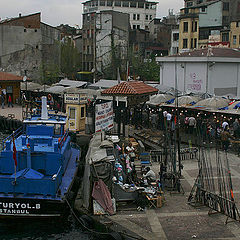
[
  {"x": 15, "y": 134},
  {"x": 64, "y": 137}
]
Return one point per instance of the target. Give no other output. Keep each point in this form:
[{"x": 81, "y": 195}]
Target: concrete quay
[
  {"x": 15, "y": 111},
  {"x": 176, "y": 219}
]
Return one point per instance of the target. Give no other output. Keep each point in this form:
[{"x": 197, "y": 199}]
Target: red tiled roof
[
  {"x": 4, "y": 76},
  {"x": 211, "y": 52},
  {"x": 130, "y": 88}
]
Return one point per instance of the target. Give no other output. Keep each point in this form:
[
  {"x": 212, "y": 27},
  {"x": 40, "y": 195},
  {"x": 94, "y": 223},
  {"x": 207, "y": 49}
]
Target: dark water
[
  {"x": 41, "y": 230},
  {"x": 67, "y": 229}
]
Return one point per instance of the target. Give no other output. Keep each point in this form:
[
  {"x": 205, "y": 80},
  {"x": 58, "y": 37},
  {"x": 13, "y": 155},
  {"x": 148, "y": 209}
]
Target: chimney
[{"x": 20, "y": 15}]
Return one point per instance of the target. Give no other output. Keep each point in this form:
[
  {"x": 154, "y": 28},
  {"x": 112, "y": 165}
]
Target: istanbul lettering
[{"x": 17, "y": 208}]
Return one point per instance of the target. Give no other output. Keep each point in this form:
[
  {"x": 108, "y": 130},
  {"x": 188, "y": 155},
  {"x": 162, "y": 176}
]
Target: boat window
[
  {"x": 82, "y": 112},
  {"x": 57, "y": 129}
]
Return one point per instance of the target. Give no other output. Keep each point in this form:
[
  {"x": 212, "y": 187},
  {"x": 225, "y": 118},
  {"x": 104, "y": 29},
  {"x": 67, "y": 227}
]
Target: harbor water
[{"x": 41, "y": 230}]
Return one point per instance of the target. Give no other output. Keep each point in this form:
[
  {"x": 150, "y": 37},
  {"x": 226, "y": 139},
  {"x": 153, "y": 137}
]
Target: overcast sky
[{"x": 55, "y": 12}]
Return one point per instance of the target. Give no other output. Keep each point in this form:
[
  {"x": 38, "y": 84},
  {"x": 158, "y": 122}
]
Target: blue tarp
[
  {"x": 223, "y": 108},
  {"x": 170, "y": 101},
  {"x": 192, "y": 103},
  {"x": 237, "y": 106}
]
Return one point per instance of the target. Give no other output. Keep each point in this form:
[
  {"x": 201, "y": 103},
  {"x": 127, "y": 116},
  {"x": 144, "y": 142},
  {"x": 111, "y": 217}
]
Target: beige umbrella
[
  {"x": 159, "y": 98},
  {"x": 213, "y": 103},
  {"x": 187, "y": 100}
]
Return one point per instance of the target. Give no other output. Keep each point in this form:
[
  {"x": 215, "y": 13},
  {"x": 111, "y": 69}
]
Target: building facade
[
  {"x": 141, "y": 12},
  {"x": 105, "y": 42},
  {"x": 27, "y": 44},
  {"x": 213, "y": 70},
  {"x": 205, "y": 23}
]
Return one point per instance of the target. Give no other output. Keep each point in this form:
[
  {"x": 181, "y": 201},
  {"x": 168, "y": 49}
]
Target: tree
[
  {"x": 146, "y": 69},
  {"x": 70, "y": 58}
]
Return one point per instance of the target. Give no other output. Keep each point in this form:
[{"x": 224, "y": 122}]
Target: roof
[
  {"x": 19, "y": 17},
  {"x": 71, "y": 83},
  {"x": 211, "y": 52},
  {"x": 103, "y": 83},
  {"x": 130, "y": 88},
  {"x": 4, "y": 76}
]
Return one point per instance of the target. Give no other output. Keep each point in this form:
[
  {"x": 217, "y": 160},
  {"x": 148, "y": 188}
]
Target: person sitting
[{"x": 150, "y": 175}]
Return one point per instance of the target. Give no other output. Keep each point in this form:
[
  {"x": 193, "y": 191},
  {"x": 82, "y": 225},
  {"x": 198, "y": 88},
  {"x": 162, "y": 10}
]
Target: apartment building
[
  {"x": 105, "y": 38},
  {"x": 205, "y": 23},
  {"x": 141, "y": 12}
]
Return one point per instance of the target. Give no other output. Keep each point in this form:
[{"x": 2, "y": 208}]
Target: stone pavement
[
  {"x": 16, "y": 110},
  {"x": 179, "y": 221}
]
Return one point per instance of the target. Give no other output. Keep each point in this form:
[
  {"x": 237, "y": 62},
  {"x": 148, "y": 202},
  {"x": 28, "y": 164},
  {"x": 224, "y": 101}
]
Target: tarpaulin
[{"x": 102, "y": 195}]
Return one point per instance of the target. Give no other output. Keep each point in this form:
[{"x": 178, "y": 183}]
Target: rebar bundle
[{"x": 213, "y": 186}]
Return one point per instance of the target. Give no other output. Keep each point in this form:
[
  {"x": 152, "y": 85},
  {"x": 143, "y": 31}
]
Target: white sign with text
[{"x": 104, "y": 116}]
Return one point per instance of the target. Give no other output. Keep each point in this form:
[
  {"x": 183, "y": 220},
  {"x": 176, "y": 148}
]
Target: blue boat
[{"x": 38, "y": 168}]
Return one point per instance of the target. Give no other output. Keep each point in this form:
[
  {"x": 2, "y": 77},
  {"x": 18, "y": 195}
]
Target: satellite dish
[{"x": 24, "y": 78}]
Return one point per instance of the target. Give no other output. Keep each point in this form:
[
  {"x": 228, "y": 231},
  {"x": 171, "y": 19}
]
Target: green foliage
[
  {"x": 70, "y": 59},
  {"x": 49, "y": 73},
  {"x": 147, "y": 70}
]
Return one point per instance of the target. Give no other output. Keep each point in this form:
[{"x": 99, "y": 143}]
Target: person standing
[
  {"x": 2, "y": 100},
  {"x": 225, "y": 124},
  {"x": 191, "y": 124},
  {"x": 225, "y": 135},
  {"x": 236, "y": 128},
  {"x": 10, "y": 101}
]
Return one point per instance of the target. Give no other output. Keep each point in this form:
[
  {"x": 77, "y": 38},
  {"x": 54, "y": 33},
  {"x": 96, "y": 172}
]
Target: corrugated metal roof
[{"x": 211, "y": 52}]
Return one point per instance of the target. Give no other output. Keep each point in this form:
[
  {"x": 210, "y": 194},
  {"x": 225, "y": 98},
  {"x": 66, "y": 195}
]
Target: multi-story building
[
  {"x": 27, "y": 44},
  {"x": 160, "y": 32},
  {"x": 105, "y": 37},
  {"x": 235, "y": 34},
  {"x": 141, "y": 12},
  {"x": 205, "y": 23}
]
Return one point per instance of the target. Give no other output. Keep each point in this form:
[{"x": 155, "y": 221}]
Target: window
[
  {"x": 35, "y": 30},
  {"x": 141, "y": 5},
  {"x": 189, "y": 4},
  {"x": 109, "y": 3},
  {"x": 134, "y": 16},
  {"x": 125, "y": 4},
  {"x": 185, "y": 43},
  {"x": 147, "y": 6},
  {"x": 25, "y": 30},
  {"x": 195, "y": 42},
  {"x": 225, "y": 20},
  {"x": 175, "y": 36},
  {"x": 102, "y": 3},
  {"x": 82, "y": 112},
  {"x": 134, "y": 26},
  {"x": 203, "y": 9},
  {"x": 138, "y": 16},
  {"x": 239, "y": 39},
  {"x": 234, "y": 39},
  {"x": 133, "y": 4},
  {"x": 186, "y": 10},
  {"x": 117, "y": 4},
  {"x": 72, "y": 113},
  {"x": 150, "y": 17},
  {"x": 225, "y": 6},
  {"x": 88, "y": 49},
  {"x": 191, "y": 43},
  {"x": 237, "y": 24},
  {"x": 225, "y": 37},
  {"x": 204, "y": 34},
  {"x": 146, "y": 17},
  {"x": 185, "y": 27},
  {"x": 138, "y": 26},
  {"x": 195, "y": 26}
]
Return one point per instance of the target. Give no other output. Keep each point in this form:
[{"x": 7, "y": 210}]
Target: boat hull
[{"x": 32, "y": 208}]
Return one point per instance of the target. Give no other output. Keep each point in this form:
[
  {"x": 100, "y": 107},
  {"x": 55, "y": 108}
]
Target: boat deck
[{"x": 39, "y": 145}]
